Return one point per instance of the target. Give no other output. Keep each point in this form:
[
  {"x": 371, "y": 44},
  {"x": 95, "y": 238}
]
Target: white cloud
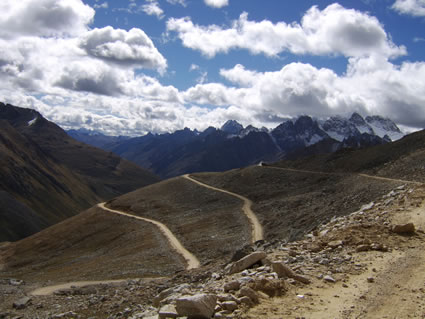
[
  {"x": 414, "y": 8},
  {"x": 44, "y": 17},
  {"x": 332, "y": 31},
  {"x": 132, "y": 47},
  {"x": 180, "y": 2},
  {"x": 152, "y": 8},
  {"x": 87, "y": 78},
  {"x": 371, "y": 85},
  {"x": 217, "y": 3},
  {"x": 103, "y": 5},
  {"x": 193, "y": 67}
]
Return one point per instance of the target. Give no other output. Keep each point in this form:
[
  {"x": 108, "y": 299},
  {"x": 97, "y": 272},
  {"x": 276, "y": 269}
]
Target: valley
[{"x": 327, "y": 215}]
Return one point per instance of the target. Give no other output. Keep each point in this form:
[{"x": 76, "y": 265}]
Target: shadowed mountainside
[{"x": 50, "y": 176}]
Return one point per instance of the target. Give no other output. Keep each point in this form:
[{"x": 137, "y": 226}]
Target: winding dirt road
[
  {"x": 192, "y": 261},
  {"x": 257, "y": 229}
]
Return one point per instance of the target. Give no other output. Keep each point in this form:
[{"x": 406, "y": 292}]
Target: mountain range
[
  {"x": 46, "y": 176},
  {"x": 233, "y": 146}
]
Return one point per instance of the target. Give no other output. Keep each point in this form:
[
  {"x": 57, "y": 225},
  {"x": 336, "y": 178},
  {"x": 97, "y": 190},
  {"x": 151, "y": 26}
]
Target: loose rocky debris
[{"x": 326, "y": 257}]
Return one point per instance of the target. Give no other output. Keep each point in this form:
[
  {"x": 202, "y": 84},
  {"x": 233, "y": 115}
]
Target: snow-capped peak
[{"x": 384, "y": 126}]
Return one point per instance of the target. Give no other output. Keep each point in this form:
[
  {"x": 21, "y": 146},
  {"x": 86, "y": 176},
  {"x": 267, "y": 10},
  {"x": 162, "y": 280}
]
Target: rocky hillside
[
  {"x": 334, "y": 241},
  {"x": 356, "y": 266},
  {"x": 46, "y": 176}
]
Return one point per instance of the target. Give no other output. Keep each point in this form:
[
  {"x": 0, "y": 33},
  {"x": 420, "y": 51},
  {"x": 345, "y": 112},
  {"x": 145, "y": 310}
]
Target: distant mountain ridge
[
  {"x": 46, "y": 176},
  {"x": 233, "y": 145}
]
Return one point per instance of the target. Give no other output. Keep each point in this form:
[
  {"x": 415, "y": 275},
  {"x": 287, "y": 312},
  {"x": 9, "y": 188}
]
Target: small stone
[
  {"x": 404, "y": 228},
  {"x": 232, "y": 285},
  {"x": 370, "y": 279},
  {"x": 16, "y": 282},
  {"x": 167, "y": 311},
  {"x": 329, "y": 279},
  {"x": 22, "y": 303},
  {"x": 244, "y": 300},
  {"x": 229, "y": 306},
  {"x": 283, "y": 271},
  {"x": 69, "y": 314},
  {"x": 360, "y": 248},
  {"x": 336, "y": 243},
  {"x": 245, "y": 262},
  {"x": 250, "y": 293}
]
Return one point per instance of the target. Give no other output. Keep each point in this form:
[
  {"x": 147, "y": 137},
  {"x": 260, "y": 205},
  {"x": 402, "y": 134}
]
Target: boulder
[
  {"x": 197, "y": 306},
  {"x": 245, "y": 262},
  {"x": 404, "y": 228}
]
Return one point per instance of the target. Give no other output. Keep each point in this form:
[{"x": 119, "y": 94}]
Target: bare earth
[
  {"x": 192, "y": 261},
  {"x": 257, "y": 229}
]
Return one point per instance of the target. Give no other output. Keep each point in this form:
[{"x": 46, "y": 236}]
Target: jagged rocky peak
[
  {"x": 357, "y": 119},
  {"x": 232, "y": 127},
  {"x": 384, "y": 126},
  {"x": 339, "y": 128},
  {"x": 384, "y": 123}
]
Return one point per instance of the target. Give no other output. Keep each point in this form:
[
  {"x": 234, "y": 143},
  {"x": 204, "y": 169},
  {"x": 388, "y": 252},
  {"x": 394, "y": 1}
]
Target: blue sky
[{"x": 132, "y": 66}]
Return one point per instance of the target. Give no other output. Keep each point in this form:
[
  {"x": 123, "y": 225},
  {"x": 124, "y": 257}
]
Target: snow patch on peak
[
  {"x": 32, "y": 121},
  {"x": 384, "y": 126}
]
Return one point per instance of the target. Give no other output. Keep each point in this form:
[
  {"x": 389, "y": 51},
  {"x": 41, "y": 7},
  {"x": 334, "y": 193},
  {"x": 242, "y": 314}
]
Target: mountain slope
[
  {"x": 210, "y": 224},
  {"x": 290, "y": 202},
  {"x": 51, "y": 174}
]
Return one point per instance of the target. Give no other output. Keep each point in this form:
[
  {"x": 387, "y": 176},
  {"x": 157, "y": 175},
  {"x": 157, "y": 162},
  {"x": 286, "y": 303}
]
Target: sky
[{"x": 128, "y": 67}]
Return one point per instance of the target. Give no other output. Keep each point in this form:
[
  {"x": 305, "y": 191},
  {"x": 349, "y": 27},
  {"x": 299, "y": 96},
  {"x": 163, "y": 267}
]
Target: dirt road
[
  {"x": 45, "y": 291},
  {"x": 384, "y": 179},
  {"x": 192, "y": 261},
  {"x": 257, "y": 229}
]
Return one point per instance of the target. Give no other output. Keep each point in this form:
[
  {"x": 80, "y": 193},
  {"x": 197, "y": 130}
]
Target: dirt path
[
  {"x": 192, "y": 261},
  {"x": 257, "y": 229},
  {"x": 385, "y": 179},
  {"x": 45, "y": 291}
]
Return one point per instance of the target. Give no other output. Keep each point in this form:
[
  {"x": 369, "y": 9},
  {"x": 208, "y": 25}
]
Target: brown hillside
[{"x": 51, "y": 174}]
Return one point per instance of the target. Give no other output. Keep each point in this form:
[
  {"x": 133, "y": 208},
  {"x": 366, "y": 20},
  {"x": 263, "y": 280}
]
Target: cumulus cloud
[
  {"x": 133, "y": 48},
  {"x": 79, "y": 77},
  {"x": 414, "y": 8},
  {"x": 371, "y": 85},
  {"x": 216, "y": 3},
  {"x": 94, "y": 77},
  {"x": 44, "y": 17},
  {"x": 152, "y": 8},
  {"x": 332, "y": 31}
]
